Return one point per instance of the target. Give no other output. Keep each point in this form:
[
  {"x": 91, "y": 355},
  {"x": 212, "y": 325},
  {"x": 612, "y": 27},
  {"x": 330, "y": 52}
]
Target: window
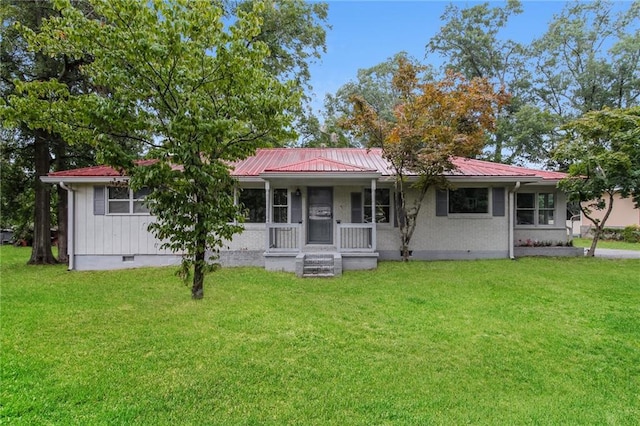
[
  {"x": 122, "y": 200},
  {"x": 280, "y": 205},
  {"x": 546, "y": 208},
  {"x": 383, "y": 205},
  {"x": 469, "y": 200},
  {"x": 253, "y": 201},
  {"x": 535, "y": 209}
]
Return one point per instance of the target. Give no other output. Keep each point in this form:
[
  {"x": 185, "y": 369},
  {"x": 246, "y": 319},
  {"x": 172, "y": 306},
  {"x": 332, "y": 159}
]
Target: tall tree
[
  {"x": 471, "y": 44},
  {"x": 194, "y": 89},
  {"x": 32, "y": 148},
  {"x": 432, "y": 123},
  {"x": 586, "y": 61},
  {"x": 603, "y": 150},
  {"x": 294, "y": 31},
  {"x": 375, "y": 86}
]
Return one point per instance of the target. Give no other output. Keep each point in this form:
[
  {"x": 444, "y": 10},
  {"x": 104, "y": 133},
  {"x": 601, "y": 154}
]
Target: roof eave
[
  {"x": 320, "y": 175},
  {"x": 495, "y": 179},
  {"x": 83, "y": 179}
]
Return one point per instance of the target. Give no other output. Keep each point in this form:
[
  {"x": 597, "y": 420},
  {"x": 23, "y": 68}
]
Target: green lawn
[
  {"x": 533, "y": 341},
  {"x": 621, "y": 245}
]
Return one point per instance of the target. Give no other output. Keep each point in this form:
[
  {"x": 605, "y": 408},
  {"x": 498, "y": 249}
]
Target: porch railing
[
  {"x": 289, "y": 237},
  {"x": 284, "y": 237},
  {"x": 355, "y": 237}
]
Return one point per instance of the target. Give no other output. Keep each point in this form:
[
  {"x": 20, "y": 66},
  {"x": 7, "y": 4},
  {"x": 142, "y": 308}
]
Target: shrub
[
  {"x": 537, "y": 243},
  {"x": 609, "y": 234},
  {"x": 631, "y": 234}
]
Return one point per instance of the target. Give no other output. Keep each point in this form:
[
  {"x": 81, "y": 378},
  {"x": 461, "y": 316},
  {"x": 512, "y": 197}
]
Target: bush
[
  {"x": 631, "y": 234},
  {"x": 609, "y": 234}
]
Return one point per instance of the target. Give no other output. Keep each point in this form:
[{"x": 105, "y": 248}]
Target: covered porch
[{"x": 327, "y": 223}]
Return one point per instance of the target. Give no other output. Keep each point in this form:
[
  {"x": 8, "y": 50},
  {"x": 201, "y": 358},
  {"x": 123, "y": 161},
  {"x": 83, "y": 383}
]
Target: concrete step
[
  {"x": 317, "y": 269},
  {"x": 318, "y": 265}
]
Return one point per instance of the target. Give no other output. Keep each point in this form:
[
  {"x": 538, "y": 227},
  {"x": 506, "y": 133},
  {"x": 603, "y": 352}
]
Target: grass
[
  {"x": 620, "y": 245},
  {"x": 533, "y": 341}
]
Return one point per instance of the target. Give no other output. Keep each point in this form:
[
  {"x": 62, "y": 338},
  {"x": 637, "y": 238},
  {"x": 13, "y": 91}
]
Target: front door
[{"x": 320, "y": 208}]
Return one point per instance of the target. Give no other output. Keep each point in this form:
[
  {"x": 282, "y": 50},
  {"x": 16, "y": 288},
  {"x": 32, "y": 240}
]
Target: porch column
[
  {"x": 374, "y": 236},
  {"x": 305, "y": 218},
  {"x": 235, "y": 201},
  {"x": 267, "y": 190},
  {"x": 267, "y": 213}
]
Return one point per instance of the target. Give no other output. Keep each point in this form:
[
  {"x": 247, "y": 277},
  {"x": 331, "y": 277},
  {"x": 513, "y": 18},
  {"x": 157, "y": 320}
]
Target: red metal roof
[
  {"x": 349, "y": 159},
  {"x": 472, "y": 167},
  {"x": 292, "y": 160},
  {"x": 95, "y": 171},
  {"x": 319, "y": 164}
]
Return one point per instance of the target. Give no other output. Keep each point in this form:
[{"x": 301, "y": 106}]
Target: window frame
[
  {"x": 488, "y": 202},
  {"x": 366, "y": 208},
  {"x": 536, "y": 210},
  {"x": 248, "y": 215},
  {"x": 275, "y": 206},
  {"x": 132, "y": 201}
]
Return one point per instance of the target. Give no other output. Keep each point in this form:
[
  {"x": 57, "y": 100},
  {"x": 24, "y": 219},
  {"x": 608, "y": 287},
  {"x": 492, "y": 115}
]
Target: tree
[
  {"x": 294, "y": 32},
  {"x": 432, "y": 123},
  {"x": 587, "y": 60},
  {"x": 190, "y": 85},
  {"x": 375, "y": 86},
  {"x": 470, "y": 43},
  {"x": 30, "y": 148},
  {"x": 314, "y": 133},
  {"x": 603, "y": 150}
]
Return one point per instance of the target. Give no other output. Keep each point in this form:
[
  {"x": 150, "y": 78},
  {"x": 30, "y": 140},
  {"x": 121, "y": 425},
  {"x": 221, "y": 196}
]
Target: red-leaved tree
[{"x": 432, "y": 123}]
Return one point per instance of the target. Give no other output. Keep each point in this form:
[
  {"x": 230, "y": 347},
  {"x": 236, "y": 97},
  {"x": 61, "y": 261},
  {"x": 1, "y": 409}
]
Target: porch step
[{"x": 318, "y": 265}]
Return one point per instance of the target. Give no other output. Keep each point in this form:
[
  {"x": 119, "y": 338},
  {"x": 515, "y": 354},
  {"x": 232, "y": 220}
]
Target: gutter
[
  {"x": 84, "y": 179},
  {"x": 512, "y": 193},
  {"x": 70, "y": 223}
]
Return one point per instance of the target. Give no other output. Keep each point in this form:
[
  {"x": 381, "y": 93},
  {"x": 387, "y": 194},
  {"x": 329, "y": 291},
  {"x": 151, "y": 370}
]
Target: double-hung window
[
  {"x": 122, "y": 200},
  {"x": 280, "y": 205},
  {"x": 383, "y": 205},
  {"x": 535, "y": 208},
  {"x": 253, "y": 201}
]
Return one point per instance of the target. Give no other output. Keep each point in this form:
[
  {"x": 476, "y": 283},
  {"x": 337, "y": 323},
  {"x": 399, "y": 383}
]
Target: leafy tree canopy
[
  {"x": 195, "y": 88},
  {"x": 30, "y": 147},
  {"x": 431, "y": 123},
  {"x": 603, "y": 150}
]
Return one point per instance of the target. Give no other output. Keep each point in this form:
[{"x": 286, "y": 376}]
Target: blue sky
[{"x": 366, "y": 33}]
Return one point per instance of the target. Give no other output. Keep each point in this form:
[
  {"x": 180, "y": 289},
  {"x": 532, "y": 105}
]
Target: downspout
[
  {"x": 374, "y": 228},
  {"x": 70, "y": 224},
  {"x": 267, "y": 215},
  {"x": 512, "y": 218}
]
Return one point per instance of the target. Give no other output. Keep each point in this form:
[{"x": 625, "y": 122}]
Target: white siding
[{"x": 111, "y": 234}]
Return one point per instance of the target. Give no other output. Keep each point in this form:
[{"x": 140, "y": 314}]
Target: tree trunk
[
  {"x": 409, "y": 220},
  {"x": 594, "y": 242},
  {"x": 41, "y": 250},
  {"x": 599, "y": 223},
  {"x": 197, "y": 291}
]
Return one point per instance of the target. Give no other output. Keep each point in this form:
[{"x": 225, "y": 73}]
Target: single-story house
[{"x": 325, "y": 210}]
